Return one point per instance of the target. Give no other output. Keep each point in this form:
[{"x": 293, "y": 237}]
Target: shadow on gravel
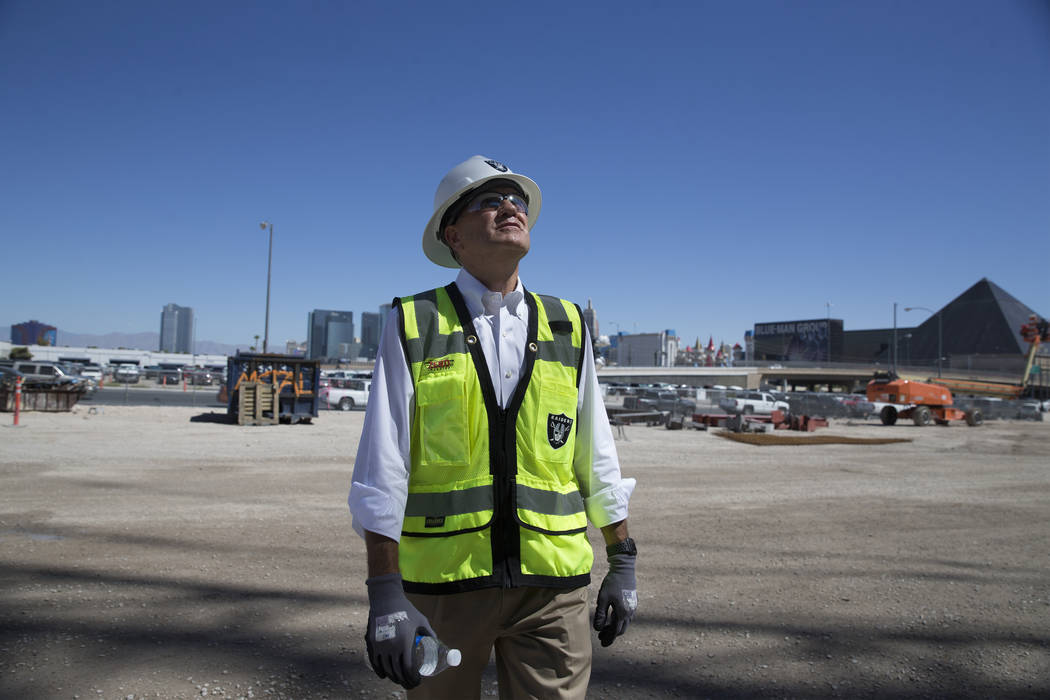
[
  {"x": 108, "y": 626},
  {"x": 291, "y": 643},
  {"x": 213, "y": 417}
]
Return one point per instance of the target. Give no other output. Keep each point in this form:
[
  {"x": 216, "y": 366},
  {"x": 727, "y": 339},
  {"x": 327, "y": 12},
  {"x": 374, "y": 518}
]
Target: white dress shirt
[{"x": 379, "y": 489}]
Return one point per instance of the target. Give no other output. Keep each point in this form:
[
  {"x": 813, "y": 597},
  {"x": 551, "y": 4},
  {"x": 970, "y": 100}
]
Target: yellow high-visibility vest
[{"x": 492, "y": 496}]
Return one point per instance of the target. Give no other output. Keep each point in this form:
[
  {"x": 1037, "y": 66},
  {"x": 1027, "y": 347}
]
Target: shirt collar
[{"x": 482, "y": 301}]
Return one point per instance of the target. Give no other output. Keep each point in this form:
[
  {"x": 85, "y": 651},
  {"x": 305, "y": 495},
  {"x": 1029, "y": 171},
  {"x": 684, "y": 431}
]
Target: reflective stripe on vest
[{"x": 492, "y": 499}]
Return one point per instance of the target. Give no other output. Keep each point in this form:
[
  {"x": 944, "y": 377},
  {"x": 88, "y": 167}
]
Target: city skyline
[
  {"x": 745, "y": 161},
  {"x": 366, "y": 343}
]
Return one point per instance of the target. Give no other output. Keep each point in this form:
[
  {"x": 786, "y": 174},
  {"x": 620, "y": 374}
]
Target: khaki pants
[{"x": 542, "y": 638}]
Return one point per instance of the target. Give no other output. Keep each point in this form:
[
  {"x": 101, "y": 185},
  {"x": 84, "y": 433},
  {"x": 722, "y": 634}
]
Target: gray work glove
[
  {"x": 393, "y": 624},
  {"x": 619, "y": 592}
]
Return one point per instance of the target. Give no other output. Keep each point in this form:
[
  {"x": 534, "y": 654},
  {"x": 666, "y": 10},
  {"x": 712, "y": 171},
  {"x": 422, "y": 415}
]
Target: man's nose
[{"x": 509, "y": 205}]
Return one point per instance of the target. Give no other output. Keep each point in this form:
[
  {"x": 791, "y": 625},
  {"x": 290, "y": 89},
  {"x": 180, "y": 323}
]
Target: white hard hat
[{"x": 465, "y": 177}]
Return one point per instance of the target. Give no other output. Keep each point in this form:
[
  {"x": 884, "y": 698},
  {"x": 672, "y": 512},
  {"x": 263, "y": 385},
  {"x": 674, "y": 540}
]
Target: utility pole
[
  {"x": 940, "y": 333},
  {"x": 828, "y": 304},
  {"x": 894, "y": 337},
  {"x": 269, "y": 266}
]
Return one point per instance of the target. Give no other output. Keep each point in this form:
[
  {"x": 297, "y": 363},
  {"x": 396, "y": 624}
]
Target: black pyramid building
[{"x": 983, "y": 320}]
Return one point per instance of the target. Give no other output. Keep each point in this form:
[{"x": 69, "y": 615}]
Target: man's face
[{"x": 490, "y": 235}]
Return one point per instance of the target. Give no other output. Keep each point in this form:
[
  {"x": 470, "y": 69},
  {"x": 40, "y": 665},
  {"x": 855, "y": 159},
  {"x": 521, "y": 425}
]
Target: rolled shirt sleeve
[
  {"x": 605, "y": 492},
  {"x": 379, "y": 489}
]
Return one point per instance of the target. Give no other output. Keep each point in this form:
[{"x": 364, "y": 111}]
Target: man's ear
[{"x": 452, "y": 236}]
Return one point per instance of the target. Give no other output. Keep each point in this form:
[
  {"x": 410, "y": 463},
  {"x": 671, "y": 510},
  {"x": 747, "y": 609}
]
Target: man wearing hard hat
[{"x": 485, "y": 451}]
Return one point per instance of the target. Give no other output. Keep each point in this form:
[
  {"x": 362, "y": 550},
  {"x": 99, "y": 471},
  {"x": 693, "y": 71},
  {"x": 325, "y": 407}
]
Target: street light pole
[
  {"x": 894, "y": 337},
  {"x": 269, "y": 267},
  {"x": 828, "y": 327},
  {"x": 940, "y": 333},
  {"x": 618, "y": 334}
]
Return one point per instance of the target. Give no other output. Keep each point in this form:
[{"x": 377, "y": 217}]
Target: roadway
[
  {"x": 132, "y": 395},
  {"x": 845, "y": 377}
]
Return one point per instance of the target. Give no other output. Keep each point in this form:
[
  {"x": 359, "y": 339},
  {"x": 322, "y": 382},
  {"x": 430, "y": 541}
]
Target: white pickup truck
[
  {"x": 748, "y": 402},
  {"x": 346, "y": 394}
]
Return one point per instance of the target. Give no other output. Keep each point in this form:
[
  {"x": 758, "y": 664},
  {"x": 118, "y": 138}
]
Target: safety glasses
[{"x": 492, "y": 200}]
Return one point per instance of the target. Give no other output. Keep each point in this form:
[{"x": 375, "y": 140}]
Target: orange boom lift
[
  {"x": 926, "y": 402},
  {"x": 932, "y": 400}
]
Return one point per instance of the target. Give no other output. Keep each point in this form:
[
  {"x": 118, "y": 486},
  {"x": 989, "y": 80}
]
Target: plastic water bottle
[{"x": 432, "y": 657}]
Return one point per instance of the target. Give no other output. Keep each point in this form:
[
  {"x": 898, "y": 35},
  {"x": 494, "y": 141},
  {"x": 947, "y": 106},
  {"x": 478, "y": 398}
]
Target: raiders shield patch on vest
[{"x": 558, "y": 427}]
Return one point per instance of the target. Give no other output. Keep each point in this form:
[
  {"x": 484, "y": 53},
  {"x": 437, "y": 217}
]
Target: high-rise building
[
  {"x": 647, "y": 349},
  {"x": 176, "y": 328},
  {"x": 590, "y": 318},
  {"x": 384, "y": 312},
  {"x": 329, "y": 333},
  {"x": 369, "y": 334},
  {"x": 33, "y": 333}
]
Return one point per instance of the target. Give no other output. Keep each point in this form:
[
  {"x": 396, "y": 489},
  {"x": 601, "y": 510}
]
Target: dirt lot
[{"x": 147, "y": 555}]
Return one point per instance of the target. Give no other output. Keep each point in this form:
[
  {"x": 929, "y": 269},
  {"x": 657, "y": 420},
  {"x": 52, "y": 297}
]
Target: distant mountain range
[{"x": 136, "y": 341}]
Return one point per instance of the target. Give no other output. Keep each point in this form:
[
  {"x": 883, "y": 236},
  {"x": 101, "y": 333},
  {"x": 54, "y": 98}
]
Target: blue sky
[{"x": 704, "y": 165}]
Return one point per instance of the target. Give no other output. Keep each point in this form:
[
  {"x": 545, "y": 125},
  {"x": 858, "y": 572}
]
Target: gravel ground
[{"x": 145, "y": 554}]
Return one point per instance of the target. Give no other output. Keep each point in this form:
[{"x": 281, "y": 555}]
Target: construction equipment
[
  {"x": 1035, "y": 332},
  {"x": 922, "y": 402}
]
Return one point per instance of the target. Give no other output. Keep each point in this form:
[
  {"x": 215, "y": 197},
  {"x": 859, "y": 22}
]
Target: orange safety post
[{"x": 18, "y": 397}]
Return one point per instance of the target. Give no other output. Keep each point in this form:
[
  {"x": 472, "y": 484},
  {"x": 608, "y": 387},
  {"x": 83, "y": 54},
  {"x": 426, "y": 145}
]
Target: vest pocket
[
  {"x": 552, "y": 528},
  {"x": 546, "y": 507},
  {"x": 442, "y": 419},
  {"x": 442, "y": 525},
  {"x": 555, "y": 555},
  {"x": 554, "y": 440},
  {"x": 455, "y": 558}
]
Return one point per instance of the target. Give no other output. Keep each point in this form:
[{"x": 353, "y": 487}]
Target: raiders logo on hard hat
[
  {"x": 463, "y": 179},
  {"x": 558, "y": 427}
]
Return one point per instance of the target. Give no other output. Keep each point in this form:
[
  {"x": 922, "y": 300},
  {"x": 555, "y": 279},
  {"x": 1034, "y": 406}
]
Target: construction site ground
[{"x": 152, "y": 552}]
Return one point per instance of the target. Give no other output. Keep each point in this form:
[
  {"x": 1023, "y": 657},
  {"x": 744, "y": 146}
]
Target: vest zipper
[{"x": 504, "y": 532}]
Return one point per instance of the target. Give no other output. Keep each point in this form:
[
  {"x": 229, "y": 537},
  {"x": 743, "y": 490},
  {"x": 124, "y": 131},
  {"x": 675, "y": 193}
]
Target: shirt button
[{"x": 508, "y": 374}]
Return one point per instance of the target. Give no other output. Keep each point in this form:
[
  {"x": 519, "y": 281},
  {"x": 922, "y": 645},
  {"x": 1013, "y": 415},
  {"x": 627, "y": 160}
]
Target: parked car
[
  {"x": 45, "y": 372},
  {"x": 8, "y": 376},
  {"x": 91, "y": 372},
  {"x": 857, "y": 406},
  {"x": 199, "y": 376},
  {"x": 169, "y": 376},
  {"x": 1029, "y": 410},
  {"x": 748, "y": 402},
  {"x": 352, "y": 393},
  {"x": 127, "y": 374}
]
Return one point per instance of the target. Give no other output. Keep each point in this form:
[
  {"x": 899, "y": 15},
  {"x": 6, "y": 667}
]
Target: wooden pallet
[{"x": 257, "y": 404}]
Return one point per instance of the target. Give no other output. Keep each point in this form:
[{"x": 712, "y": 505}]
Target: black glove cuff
[{"x": 625, "y": 547}]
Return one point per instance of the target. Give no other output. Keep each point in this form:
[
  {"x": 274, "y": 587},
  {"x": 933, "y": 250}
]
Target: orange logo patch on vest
[{"x": 438, "y": 365}]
